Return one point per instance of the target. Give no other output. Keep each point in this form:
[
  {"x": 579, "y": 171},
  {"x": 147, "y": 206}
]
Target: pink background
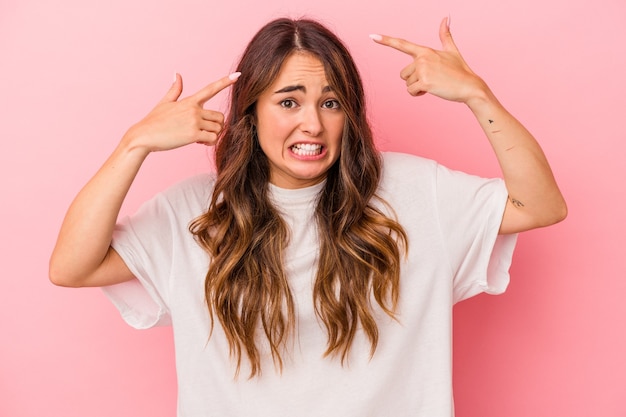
[{"x": 75, "y": 75}]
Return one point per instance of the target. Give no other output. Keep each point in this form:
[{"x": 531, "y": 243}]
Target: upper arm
[
  {"x": 514, "y": 220},
  {"x": 518, "y": 218},
  {"x": 112, "y": 270}
]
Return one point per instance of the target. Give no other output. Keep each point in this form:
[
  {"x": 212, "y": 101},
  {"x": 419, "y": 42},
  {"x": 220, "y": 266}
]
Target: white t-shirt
[{"x": 452, "y": 221}]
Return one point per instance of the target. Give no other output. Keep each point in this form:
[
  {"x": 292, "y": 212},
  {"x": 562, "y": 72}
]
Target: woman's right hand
[
  {"x": 83, "y": 255},
  {"x": 174, "y": 123}
]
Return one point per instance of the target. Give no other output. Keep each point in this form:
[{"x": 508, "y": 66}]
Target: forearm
[
  {"x": 86, "y": 232},
  {"x": 534, "y": 197}
]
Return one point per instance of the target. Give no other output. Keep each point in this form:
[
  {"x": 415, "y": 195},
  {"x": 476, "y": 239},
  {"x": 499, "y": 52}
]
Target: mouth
[{"x": 307, "y": 149}]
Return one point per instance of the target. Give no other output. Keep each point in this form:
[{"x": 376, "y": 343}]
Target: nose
[{"x": 311, "y": 122}]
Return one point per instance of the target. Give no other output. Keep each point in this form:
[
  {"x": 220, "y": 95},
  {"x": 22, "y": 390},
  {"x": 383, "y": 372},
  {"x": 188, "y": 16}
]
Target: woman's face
[{"x": 299, "y": 123}]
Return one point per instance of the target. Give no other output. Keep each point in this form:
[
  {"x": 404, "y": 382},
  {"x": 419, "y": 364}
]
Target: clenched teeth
[{"x": 306, "y": 149}]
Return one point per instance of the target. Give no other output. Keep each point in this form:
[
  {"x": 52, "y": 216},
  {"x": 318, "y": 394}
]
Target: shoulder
[
  {"x": 414, "y": 169},
  {"x": 396, "y": 163},
  {"x": 400, "y": 170},
  {"x": 407, "y": 180},
  {"x": 193, "y": 193},
  {"x": 200, "y": 183}
]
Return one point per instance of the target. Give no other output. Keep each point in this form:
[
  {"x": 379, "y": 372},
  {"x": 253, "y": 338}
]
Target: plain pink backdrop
[{"x": 75, "y": 74}]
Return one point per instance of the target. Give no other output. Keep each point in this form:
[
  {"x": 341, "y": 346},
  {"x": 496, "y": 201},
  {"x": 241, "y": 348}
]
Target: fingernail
[
  {"x": 175, "y": 76},
  {"x": 376, "y": 37},
  {"x": 449, "y": 20},
  {"x": 234, "y": 76}
]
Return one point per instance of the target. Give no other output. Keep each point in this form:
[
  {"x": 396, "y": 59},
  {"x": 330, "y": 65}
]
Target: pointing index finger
[
  {"x": 398, "y": 44},
  {"x": 208, "y": 92}
]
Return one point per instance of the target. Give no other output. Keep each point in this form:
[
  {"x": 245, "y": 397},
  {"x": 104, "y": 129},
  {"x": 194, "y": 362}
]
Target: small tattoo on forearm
[
  {"x": 516, "y": 203},
  {"x": 490, "y": 121}
]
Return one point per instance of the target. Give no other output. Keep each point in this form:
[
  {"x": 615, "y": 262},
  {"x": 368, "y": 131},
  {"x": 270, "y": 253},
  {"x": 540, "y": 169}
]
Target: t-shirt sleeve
[
  {"x": 144, "y": 242},
  {"x": 149, "y": 242},
  {"x": 470, "y": 211}
]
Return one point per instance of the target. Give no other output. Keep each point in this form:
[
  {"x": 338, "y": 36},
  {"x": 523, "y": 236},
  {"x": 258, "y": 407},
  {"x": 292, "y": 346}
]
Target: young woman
[{"x": 310, "y": 275}]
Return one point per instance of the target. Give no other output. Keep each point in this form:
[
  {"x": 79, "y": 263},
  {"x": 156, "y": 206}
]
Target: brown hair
[{"x": 359, "y": 253}]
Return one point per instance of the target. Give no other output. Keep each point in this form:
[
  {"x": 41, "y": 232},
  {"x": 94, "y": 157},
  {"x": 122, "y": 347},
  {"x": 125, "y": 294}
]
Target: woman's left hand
[{"x": 443, "y": 73}]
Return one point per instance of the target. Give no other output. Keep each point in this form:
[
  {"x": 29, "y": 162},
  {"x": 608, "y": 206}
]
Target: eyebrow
[{"x": 298, "y": 87}]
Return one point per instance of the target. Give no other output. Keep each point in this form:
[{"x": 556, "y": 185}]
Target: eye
[
  {"x": 288, "y": 103},
  {"x": 331, "y": 104}
]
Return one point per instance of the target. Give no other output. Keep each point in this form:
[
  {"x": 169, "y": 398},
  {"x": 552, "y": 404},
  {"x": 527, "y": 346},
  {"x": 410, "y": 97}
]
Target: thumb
[
  {"x": 175, "y": 90},
  {"x": 446, "y": 36}
]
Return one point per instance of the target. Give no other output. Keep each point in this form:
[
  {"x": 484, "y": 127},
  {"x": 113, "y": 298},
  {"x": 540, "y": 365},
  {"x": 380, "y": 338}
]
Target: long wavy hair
[{"x": 359, "y": 245}]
